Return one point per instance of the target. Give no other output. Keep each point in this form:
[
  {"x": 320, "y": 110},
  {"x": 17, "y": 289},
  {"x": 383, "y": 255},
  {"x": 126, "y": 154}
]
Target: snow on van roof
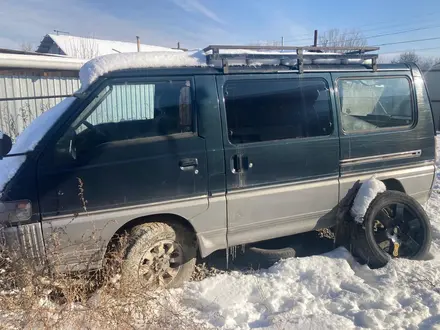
[
  {"x": 267, "y": 52},
  {"x": 101, "y": 65}
]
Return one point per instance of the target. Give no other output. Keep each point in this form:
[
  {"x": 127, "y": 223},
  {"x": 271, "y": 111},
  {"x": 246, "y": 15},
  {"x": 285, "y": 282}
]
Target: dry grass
[
  {"x": 36, "y": 294},
  {"x": 35, "y": 297},
  {"x": 13, "y": 121}
]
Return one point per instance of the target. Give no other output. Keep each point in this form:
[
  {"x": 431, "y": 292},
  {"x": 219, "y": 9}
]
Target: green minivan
[{"x": 190, "y": 153}]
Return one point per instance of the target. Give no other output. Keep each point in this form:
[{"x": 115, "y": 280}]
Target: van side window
[
  {"x": 372, "y": 104},
  {"x": 131, "y": 111},
  {"x": 265, "y": 110}
]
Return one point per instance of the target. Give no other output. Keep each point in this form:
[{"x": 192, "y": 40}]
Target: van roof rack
[{"x": 291, "y": 56}]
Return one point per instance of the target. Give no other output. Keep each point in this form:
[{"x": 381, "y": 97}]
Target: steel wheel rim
[
  {"x": 398, "y": 231},
  {"x": 161, "y": 263}
]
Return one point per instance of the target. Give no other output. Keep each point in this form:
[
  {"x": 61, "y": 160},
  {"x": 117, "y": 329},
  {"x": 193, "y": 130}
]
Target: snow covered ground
[{"x": 330, "y": 291}]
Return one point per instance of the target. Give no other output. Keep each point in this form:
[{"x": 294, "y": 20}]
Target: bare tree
[
  {"x": 407, "y": 57},
  {"x": 27, "y": 47},
  {"x": 342, "y": 38},
  {"x": 85, "y": 48},
  {"x": 425, "y": 63}
]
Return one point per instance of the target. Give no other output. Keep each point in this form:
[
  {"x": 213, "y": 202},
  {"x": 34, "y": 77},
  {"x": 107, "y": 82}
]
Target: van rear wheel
[{"x": 159, "y": 255}]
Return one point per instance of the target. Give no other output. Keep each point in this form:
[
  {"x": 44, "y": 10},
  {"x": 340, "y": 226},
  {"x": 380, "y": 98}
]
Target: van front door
[
  {"x": 134, "y": 149},
  {"x": 282, "y": 154}
]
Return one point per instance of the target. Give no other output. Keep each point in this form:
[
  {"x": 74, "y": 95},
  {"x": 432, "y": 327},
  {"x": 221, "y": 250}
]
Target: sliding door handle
[
  {"x": 240, "y": 163},
  {"x": 189, "y": 164}
]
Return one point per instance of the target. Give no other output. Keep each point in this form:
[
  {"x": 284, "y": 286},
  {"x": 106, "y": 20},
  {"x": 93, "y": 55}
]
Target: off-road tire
[
  {"x": 363, "y": 243},
  {"x": 143, "y": 237}
]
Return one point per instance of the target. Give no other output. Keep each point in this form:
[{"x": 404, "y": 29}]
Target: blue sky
[{"x": 197, "y": 23}]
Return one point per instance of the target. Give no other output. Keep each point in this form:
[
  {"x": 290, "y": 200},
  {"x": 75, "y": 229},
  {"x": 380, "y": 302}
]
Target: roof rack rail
[{"x": 277, "y": 55}]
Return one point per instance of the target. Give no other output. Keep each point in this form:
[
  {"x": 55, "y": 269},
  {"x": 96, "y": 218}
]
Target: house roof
[{"x": 87, "y": 48}]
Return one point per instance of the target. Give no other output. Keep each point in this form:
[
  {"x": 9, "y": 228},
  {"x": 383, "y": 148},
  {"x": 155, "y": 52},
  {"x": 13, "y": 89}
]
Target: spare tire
[{"x": 395, "y": 226}]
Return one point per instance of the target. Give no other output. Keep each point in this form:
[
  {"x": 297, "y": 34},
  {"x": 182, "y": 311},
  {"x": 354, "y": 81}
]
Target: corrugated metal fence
[{"x": 24, "y": 96}]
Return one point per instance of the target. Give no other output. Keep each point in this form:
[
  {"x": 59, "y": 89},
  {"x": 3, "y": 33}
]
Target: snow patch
[
  {"x": 331, "y": 291},
  {"x": 366, "y": 194},
  {"x": 101, "y": 65},
  {"x": 29, "y": 139}
]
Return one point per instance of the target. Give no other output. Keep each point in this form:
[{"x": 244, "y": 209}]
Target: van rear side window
[
  {"x": 265, "y": 110},
  {"x": 374, "y": 104}
]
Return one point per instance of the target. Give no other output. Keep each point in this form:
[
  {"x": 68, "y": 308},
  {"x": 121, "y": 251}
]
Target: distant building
[{"x": 87, "y": 48}]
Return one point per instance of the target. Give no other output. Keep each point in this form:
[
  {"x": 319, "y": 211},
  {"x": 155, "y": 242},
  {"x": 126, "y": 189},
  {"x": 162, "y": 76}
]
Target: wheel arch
[
  {"x": 160, "y": 217},
  {"x": 394, "y": 185}
]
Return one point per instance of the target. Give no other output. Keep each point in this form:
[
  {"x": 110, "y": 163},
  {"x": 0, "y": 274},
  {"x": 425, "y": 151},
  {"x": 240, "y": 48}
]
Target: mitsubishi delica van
[{"x": 193, "y": 153}]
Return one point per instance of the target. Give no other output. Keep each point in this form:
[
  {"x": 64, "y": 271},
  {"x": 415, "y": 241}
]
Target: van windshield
[
  {"x": 38, "y": 128},
  {"x": 29, "y": 139}
]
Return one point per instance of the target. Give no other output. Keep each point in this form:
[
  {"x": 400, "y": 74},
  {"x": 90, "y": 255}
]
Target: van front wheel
[{"x": 159, "y": 255}]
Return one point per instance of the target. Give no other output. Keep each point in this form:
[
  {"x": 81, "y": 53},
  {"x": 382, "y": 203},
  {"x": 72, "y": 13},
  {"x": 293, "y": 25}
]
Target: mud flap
[{"x": 344, "y": 221}]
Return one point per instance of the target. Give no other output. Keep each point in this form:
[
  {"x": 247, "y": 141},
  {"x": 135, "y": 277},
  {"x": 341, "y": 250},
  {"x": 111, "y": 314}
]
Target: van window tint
[
  {"x": 131, "y": 111},
  {"x": 264, "y": 110},
  {"x": 371, "y": 104}
]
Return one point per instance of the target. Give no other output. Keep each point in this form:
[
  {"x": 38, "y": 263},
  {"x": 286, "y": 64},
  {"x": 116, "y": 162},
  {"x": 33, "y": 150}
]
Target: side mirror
[{"x": 5, "y": 145}]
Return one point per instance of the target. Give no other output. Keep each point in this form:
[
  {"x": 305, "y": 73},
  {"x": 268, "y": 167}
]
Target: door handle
[
  {"x": 235, "y": 164},
  {"x": 240, "y": 163},
  {"x": 189, "y": 164}
]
